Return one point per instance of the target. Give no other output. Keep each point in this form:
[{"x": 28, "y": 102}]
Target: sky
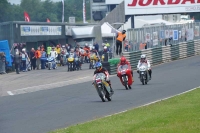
[{"x": 19, "y": 1}]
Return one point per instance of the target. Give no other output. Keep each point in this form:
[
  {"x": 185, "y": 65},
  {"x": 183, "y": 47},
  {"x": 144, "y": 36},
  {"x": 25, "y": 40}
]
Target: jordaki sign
[
  {"x": 134, "y": 7},
  {"x": 162, "y": 2}
]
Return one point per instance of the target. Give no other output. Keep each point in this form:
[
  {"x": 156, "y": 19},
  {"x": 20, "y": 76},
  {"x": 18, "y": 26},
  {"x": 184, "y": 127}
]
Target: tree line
[{"x": 39, "y": 10}]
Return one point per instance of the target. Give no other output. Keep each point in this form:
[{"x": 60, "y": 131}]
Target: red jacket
[{"x": 127, "y": 63}]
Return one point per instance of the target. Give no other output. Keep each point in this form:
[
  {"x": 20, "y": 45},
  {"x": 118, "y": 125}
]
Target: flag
[
  {"x": 26, "y": 17},
  {"x": 48, "y": 20},
  {"x": 63, "y": 12},
  {"x": 84, "y": 11}
]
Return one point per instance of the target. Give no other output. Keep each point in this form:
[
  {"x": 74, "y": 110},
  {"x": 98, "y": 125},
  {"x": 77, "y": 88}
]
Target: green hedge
[{"x": 114, "y": 61}]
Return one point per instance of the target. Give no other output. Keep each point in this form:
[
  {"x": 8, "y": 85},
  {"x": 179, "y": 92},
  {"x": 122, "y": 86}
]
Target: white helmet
[
  {"x": 143, "y": 56},
  {"x": 86, "y": 44},
  {"x": 93, "y": 47},
  {"x": 23, "y": 49},
  {"x": 105, "y": 47}
]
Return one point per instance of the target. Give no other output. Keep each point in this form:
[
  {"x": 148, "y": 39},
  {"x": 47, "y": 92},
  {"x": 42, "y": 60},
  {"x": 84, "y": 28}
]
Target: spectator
[
  {"x": 42, "y": 48},
  {"x": 24, "y": 58},
  {"x": 17, "y": 60},
  {"x": 33, "y": 59},
  {"x": 142, "y": 46},
  {"x": 68, "y": 47},
  {"x": 43, "y": 59},
  {"x": 58, "y": 50},
  {"x": 96, "y": 46},
  {"x": 38, "y": 56}
]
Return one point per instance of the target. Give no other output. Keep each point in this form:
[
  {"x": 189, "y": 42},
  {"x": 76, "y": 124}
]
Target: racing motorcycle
[
  {"x": 143, "y": 72},
  {"x": 51, "y": 63},
  {"x": 125, "y": 76},
  {"x": 70, "y": 61},
  {"x": 77, "y": 63},
  {"x": 102, "y": 87}
]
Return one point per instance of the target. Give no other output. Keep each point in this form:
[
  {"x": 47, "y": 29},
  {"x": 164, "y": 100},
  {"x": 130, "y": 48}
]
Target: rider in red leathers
[{"x": 123, "y": 61}]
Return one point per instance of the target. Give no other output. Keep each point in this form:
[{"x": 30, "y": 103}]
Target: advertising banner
[
  {"x": 36, "y": 30},
  {"x": 155, "y": 38},
  {"x": 162, "y": 34},
  {"x": 171, "y": 33},
  {"x": 166, "y": 34},
  {"x": 190, "y": 34},
  {"x": 183, "y": 32},
  {"x": 179, "y": 35},
  {"x": 148, "y": 39},
  {"x": 136, "y": 7},
  {"x": 196, "y": 31},
  {"x": 175, "y": 34}
]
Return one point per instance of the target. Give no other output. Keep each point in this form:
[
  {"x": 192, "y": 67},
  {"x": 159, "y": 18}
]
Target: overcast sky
[{"x": 19, "y": 1}]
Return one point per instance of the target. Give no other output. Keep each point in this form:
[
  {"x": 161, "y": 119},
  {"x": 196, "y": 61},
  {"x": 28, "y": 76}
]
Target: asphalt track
[{"x": 43, "y": 111}]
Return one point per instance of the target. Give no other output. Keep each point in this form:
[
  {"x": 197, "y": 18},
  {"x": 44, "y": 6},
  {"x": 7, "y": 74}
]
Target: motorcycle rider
[
  {"x": 53, "y": 53},
  {"x": 87, "y": 49},
  {"x": 144, "y": 60},
  {"x": 123, "y": 61},
  {"x": 100, "y": 69},
  {"x": 77, "y": 54}
]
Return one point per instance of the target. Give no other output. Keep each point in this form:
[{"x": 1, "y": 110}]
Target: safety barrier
[{"x": 162, "y": 54}]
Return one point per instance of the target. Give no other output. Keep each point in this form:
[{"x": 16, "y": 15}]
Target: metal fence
[{"x": 150, "y": 37}]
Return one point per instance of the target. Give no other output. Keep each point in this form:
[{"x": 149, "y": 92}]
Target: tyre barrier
[{"x": 162, "y": 54}]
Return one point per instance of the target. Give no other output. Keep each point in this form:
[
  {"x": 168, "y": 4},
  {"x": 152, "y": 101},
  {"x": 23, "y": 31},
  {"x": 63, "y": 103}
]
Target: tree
[{"x": 4, "y": 10}]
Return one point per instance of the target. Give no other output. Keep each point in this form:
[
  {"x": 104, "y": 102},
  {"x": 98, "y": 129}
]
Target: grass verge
[{"x": 180, "y": 114}]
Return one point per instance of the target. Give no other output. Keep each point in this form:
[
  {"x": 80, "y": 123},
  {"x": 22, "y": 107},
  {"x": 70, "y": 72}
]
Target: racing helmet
[
  {"x": 98, "y": 66},
  {"x": 123, "y": 60},
  {"x": 143, "y": 56}
]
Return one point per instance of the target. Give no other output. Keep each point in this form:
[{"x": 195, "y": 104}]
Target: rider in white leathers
[
  {"x": 53, "y": 53},
  {"x": 144, "y": 60}
]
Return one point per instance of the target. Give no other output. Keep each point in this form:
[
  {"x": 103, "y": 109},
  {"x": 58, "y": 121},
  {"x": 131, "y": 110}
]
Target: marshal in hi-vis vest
[{"x": 121, "y": 36}]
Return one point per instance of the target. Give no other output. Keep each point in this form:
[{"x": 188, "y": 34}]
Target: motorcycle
[
  {"x": 51, "y": 63},
  {"x": 143, "y": 72},
  {"x": 125, "y": 76},
  {"x": 63, "y": 60},
  {"x": 102, "y": 87},
  {"x": 83, "y": 53},
  {"x": 70, "y": 61},
  {"x": 93, "y": 60},
  {"x": 77, "y": 63}
]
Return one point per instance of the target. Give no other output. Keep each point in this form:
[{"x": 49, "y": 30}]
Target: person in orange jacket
[
  {"x": 38, "y": 56},
  {"x": 121, "y": 36}
]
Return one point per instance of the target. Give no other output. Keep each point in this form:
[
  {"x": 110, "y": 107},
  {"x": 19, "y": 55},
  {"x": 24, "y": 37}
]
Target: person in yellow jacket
[
  {"x": 58, "y": 50},
  {"x": 121, "y": 36}
]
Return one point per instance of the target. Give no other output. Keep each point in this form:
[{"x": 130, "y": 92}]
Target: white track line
[
  {"x": 10, "y": 93},
  {"x": 45, "y": 85}
]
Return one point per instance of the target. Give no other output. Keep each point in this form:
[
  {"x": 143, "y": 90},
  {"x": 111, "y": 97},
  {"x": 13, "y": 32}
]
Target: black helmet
[{"x": 124, "y": 31}]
